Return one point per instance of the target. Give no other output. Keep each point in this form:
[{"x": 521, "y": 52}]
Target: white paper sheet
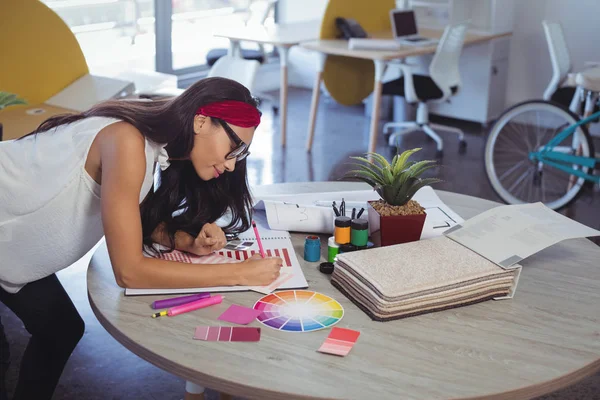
[
  {"x": 312, "y": 212},
  {"x": 507, "y": 234},
  {"x": 274, "y": 242}
]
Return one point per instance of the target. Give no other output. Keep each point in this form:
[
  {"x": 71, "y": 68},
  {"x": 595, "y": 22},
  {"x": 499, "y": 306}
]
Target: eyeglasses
[{"x": 240, "y": 151}]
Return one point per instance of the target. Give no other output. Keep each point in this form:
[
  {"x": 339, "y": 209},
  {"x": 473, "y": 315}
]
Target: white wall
[{"x": 530, "y": 69}]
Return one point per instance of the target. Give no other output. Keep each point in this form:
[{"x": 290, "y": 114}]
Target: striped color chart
[
  {"x": 242, "y": 255},
  {"x": 180, "y": 256},
  {"x": 231, "y": 255},
  {"x": 227, "y": 334},
  {"x": 298, "y": 311}
]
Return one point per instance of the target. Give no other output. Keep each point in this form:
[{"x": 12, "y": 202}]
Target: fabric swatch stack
[{"x": 414, "y": 278}]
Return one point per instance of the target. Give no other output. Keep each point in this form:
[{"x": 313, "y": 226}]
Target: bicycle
[{"x": 539, "y": 150}]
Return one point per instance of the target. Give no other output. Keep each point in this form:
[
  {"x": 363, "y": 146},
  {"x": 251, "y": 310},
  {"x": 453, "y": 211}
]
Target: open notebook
[{"x": 275, "y": 243}]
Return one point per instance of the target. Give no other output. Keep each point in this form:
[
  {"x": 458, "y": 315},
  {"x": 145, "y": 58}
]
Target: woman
[{"x": 79, "y": 177}]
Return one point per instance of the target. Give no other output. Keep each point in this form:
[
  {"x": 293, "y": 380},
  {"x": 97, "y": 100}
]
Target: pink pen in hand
[{"x": 260, "y": 246}]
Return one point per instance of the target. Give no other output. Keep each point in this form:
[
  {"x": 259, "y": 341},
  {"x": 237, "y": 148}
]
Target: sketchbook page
[
  {"x": 275, "y": 243},
  {"x": 440, "y": 217},
  {"x": 318, "y": 216},
  {"x": 357, "y": 198},
  {"x": 522, "y": 229}
]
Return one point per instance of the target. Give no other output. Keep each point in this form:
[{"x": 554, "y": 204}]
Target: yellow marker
[{"x": 160, "y": 314}]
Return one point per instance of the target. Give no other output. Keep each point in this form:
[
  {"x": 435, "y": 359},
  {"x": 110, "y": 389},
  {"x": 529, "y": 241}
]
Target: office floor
[{"x": 101, "y": 368}]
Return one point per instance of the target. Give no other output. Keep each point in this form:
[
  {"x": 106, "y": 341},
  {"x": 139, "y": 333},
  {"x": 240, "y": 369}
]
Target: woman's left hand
[{"x": 211, "y": 238}]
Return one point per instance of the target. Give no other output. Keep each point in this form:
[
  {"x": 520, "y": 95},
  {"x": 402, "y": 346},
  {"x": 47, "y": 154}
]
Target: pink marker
[
  {"x": 260, "y": 246},
  {"x": 194, "y": 305}
]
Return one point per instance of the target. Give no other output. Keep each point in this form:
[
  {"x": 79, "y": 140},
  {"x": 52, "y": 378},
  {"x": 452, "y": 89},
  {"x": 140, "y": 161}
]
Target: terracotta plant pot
[{"x": 394, "y": 229}]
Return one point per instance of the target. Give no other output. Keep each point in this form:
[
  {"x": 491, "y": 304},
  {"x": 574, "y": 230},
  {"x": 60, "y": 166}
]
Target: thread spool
[
  {"x": 332, "y": 249},
  {"x": 312, "y": 248},
  {"x": 359, "y": 232},
  {"x": 342, "y": 230}
]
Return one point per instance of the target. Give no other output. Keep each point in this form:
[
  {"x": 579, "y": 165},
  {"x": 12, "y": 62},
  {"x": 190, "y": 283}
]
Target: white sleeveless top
[{"x": 49, "y": 205}]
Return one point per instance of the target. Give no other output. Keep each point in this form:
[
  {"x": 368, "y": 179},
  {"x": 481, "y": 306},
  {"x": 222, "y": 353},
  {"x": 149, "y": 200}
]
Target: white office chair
[
  {"x": 561, "y": 64},
  {"x": 239, "y": 69},
  {"x": 562, "y": 87},
  {"x": 442, "y": 83}
]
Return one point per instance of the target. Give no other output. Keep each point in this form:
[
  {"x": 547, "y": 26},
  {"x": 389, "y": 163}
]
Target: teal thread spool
[
  {"x": 359, "y": 232},
  {"x": 312, "y": 248},
  {"x": 332, "y": 249}
]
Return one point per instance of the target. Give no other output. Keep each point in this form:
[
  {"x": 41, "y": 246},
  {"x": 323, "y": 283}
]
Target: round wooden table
[{"x": 545, "y": 338}]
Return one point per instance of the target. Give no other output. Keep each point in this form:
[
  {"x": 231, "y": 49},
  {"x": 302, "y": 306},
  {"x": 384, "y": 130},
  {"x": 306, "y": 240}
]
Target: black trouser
[{"x": 55, "y": 327}]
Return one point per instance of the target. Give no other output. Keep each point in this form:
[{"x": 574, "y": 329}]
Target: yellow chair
[
  {"x": 350, "y": 80},
  {"x": 40, "y": 54}
]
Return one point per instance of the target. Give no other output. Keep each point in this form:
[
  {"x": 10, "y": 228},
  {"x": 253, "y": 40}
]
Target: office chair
[
  {"x": 561, "y": 89},
  {"x": 238, "y": 69},
  {"x": 442, "y": 83},
  {"x": 259, "y": 11},
  {"x": 561, "y": 64}
]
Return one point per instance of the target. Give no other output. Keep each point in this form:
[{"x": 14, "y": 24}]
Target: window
[{"x": 171, "y": 36}]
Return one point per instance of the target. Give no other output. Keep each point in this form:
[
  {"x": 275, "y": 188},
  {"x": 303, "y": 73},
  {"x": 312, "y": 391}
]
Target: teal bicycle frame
[{"x": 565, "y": 162}]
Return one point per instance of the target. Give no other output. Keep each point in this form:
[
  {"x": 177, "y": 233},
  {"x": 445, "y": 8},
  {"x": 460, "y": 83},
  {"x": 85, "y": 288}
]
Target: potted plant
[
  {"x": 9, "y": 99},
  {"x": 396, "y": 218}
]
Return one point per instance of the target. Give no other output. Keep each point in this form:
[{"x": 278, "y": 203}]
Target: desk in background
[
  {"x": 283, "y": 37},
  {"x": 543, "y": 339},
  {"x": 18, "y": 121},
  {"x": 381, "y": 60}
]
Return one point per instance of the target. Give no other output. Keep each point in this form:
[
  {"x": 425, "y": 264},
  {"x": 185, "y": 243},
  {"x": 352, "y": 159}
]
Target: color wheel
[{"x": 298, "y": 311}]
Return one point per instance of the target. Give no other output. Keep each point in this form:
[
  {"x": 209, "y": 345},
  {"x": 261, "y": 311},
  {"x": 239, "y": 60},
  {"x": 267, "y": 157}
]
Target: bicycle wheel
[{"x": 524, "y": 128}]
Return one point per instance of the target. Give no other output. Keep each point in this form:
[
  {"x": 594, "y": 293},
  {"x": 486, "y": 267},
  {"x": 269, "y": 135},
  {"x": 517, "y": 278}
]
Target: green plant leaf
[
  {"x": 418, "y": 168},
  {"x": 400, "y": 165},
  {"x": 387, "y": 175},
  {"x": 376, "y": 168},
  {"x": 10, "y": 99},
  {"x": 367, "y": 165},
  {"x": 420, "y": 183},
  {"x": 383, "y": 162},
  {"x": 366, "y": 176},
  {"x": 394, "y": 162}
]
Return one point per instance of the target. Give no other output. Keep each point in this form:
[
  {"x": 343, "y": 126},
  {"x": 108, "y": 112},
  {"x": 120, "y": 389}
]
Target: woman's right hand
[{"x": 258, "y": 271}]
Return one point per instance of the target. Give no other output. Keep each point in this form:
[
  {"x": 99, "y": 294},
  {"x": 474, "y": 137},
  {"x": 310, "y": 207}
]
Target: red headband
[{"x": 234, "y": 112}]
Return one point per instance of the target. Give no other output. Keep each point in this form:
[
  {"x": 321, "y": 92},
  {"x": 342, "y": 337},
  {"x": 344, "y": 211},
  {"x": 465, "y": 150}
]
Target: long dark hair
[{"x": 182, "y": 201}]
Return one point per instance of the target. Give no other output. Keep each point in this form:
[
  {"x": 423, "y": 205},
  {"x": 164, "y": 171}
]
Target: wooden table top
[
  {"x": 339, "y": 47},
  {"x": 18, "y": 121},
  {"x": 545, "y": 338},
  {"x": 279, "y": 34}
]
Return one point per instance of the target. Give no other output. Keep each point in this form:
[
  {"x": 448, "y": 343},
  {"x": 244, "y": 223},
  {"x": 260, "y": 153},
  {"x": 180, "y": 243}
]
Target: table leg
[
  {"x": 380, "y": 67},
  {"x": 283, "y": 101},
  {"x": 314, "y": 105},
  {"x": 193, "y": 391},
  {"x": 234, "y": 48}
]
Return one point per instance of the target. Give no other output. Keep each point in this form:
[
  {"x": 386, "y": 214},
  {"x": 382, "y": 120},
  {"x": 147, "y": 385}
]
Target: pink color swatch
[
  {"x": 339, "y": 342},
  {"x": 227, "y": 334},
  {"x": 239, "y": 315}
]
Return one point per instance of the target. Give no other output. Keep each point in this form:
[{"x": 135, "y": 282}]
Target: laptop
[{"x": 404, "y": 29}]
